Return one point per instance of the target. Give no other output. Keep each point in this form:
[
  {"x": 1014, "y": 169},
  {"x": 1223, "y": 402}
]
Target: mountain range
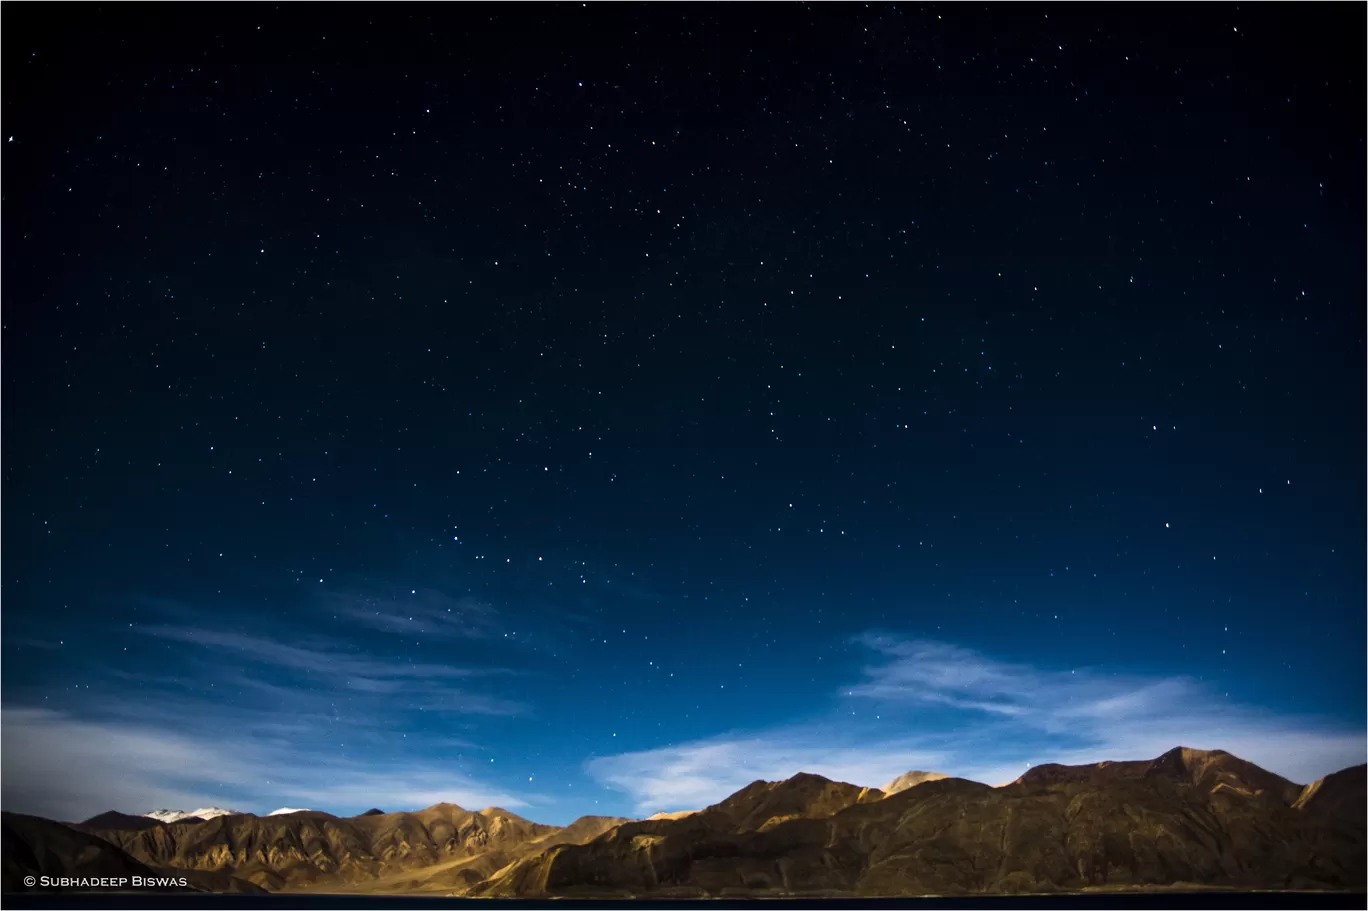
[
  {"x": 1188, "y": 818},
  {"x": 190, "y": 816}
]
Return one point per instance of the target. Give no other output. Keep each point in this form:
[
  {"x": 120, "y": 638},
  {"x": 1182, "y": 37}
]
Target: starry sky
[{"x": 591, "y": 409}]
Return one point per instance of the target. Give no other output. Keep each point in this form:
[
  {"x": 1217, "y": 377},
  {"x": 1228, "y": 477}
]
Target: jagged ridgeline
[{"x": 1188, "y": 818}]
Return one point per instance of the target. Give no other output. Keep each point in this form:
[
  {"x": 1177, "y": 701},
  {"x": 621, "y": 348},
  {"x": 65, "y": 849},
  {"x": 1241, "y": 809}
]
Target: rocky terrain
[
  {"x": 443, "y": 847},
  {"x": 910, "y": 779},
  {"x": 1189, "y": 819},
  {"x": 40, "y": 847},
  {"x": 1186, "y": 818}
]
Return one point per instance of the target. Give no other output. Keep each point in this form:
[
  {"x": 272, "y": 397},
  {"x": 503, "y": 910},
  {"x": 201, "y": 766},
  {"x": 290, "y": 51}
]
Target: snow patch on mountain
[
  {"x": 284, "y": 810},
  {"x": 178, "y": 815}
]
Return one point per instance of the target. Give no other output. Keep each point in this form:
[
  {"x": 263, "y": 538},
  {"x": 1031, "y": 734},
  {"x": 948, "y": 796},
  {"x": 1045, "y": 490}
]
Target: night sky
[{"x": 592, "y": 409}]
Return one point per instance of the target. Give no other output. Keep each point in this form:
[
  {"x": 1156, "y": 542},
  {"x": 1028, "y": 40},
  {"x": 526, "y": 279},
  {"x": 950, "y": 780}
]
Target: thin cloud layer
[
  {"x": 940, "y": 707},
  {"x": 253, "y": 722},
  {"x": 62, "y": 767},
  {"x": 329, "y": 661},
  {"x": 694, "y": 775},
  {"x": 425, "y": 613},
  {"x": 427, "y": 686}
]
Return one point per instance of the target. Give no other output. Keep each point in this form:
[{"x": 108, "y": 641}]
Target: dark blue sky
[{"x": 593, "y": 409}]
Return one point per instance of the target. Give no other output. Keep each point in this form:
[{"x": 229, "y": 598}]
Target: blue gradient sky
[{"x": 597, "y": 411}]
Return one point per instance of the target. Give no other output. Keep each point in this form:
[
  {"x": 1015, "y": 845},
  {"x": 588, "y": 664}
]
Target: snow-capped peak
[
  {"x": 284, "y": 810},
  {"x": 178, "y": 815}
]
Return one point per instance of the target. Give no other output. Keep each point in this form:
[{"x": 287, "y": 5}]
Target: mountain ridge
[
  {"x": 910, "y": 780},
  {"x": 1197, "y": 817},
  {"x": 304, "y": 850},
  {"x": 35, "y": 847},
  {"x": 1187, "y": 816},
  {"x": 181, "y": 815}
]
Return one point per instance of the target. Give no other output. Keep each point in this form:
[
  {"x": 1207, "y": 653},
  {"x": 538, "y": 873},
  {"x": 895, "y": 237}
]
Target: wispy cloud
[
  {"x": 693, "y": 775},
  {"x": 63, "y": 767},
  {"x": 332, "y": 661},
  {"x": 428, "y": 685},
  {"x": 927, "y": 672},
  {"x": 937, "y": 706},
  {"x": 424, "y": 613},
  {"x": 255, "y": 722}
]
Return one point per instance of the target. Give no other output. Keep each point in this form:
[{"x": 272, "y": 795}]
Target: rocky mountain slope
[
  {"x": 113, "y": 819},
  {"x": 1187, "y": 817},
  {"x": 910, "y": 780},
  {"x": 35, "y": 847},
  {"x": 676, "y": 814},
  {"x": 764, "y": 804},
  {"x": 443, "y": 847}
]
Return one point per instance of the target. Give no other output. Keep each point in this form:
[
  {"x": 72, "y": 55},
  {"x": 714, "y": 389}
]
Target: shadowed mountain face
[
  {"x": 39, "y": 847},
  {"x": 1191, "y": 818},
  {"x": 1208, "y": 770},
  {"x": 1187, "y": 817},
  {"x": 113, "y": 819},
  {"x": 1341, "y": 796},
  {"x": 763, "y": 804}
]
